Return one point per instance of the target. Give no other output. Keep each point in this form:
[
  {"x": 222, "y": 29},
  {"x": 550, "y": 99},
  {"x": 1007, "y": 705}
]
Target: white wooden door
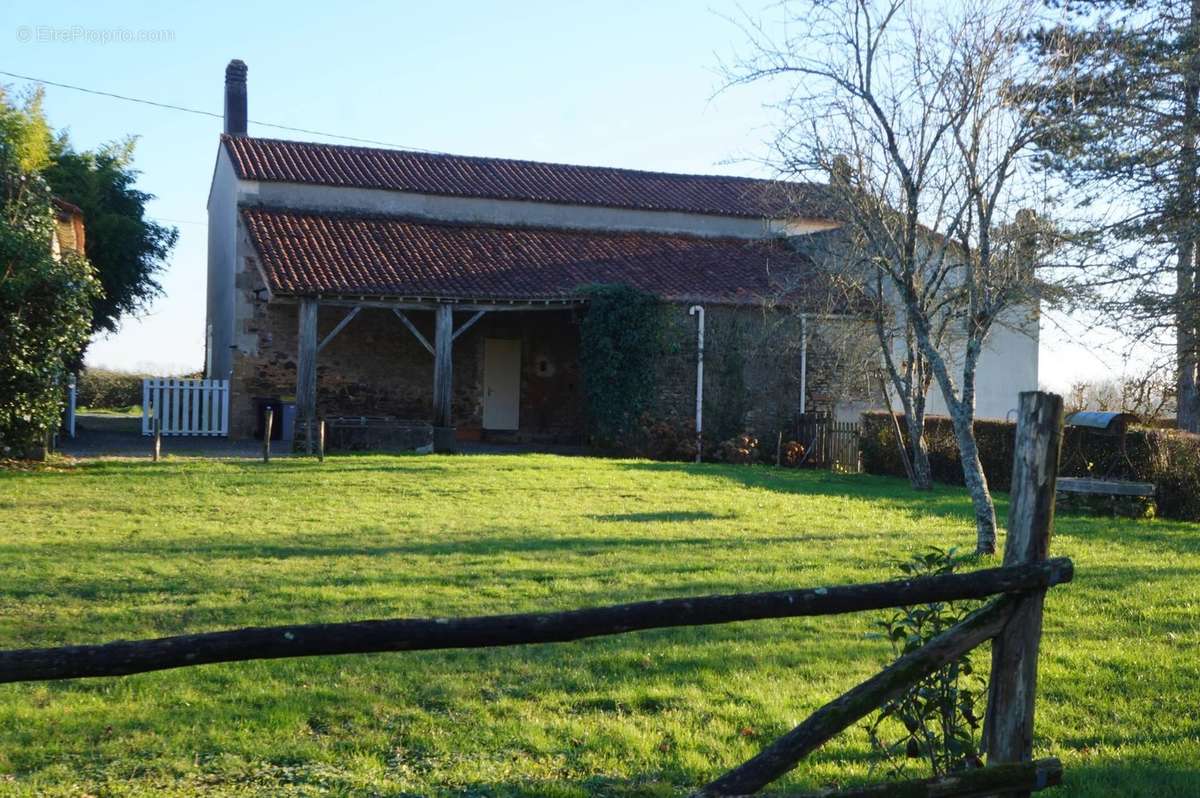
[{"x": 501, "y": 383}]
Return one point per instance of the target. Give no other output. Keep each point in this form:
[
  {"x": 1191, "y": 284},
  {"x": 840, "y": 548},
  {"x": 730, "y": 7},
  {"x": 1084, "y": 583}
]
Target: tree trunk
[
  {"x": 922, "y": 475},
  {"x": 911, "y": 389},
  {"x": 962, "y": 416},
  {"x": 975, "y": 479},
  {"x": 1187, "y": 401}
]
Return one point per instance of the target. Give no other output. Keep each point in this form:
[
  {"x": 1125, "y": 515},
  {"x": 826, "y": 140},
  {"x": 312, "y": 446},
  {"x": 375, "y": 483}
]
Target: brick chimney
[{"x": 235, "y": 98}]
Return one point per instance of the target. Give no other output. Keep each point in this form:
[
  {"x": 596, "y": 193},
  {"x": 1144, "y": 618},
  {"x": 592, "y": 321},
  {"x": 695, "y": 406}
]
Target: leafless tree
[
  {"x": 1148, "y": 394},
  {"x": 914, "y": 115}
]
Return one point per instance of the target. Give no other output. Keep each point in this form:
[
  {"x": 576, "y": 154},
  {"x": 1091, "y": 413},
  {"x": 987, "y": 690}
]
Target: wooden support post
[
  {"x": 1008, "y": 725},
  {"x": 442, "y": 378},
  {"x": 443, "y": 432},
  {"x": 852, "y": 706},
  {"x": 157, "y": 437},
  {"x": 268, "y": 421},
  {"x": 306, "y": 368},
  {"x": 321, "y": 440},
  {"x": 466, "y": 325}
]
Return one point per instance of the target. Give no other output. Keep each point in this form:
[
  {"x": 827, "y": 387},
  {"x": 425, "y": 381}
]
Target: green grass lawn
[
  {"x": 119, "y": 549},
  {"x": 127, "y": 410}
]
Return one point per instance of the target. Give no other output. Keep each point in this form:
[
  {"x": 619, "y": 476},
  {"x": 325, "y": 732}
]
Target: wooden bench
[
  {"x": 1115, "y": 496},
  {"x": 1104, "y": 487}
]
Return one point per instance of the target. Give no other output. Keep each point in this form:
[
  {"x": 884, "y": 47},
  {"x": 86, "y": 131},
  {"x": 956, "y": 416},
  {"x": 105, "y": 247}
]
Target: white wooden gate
[{"x": 185, "y": 407}]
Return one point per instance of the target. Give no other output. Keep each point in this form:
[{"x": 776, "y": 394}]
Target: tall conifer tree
[{"x": 1125, "y": 134}]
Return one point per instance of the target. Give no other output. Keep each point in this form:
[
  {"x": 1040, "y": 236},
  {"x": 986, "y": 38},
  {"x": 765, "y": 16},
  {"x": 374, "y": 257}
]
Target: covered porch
[
  {"x": 497, "y": 371},
  {"x": 471, "y": 326}
]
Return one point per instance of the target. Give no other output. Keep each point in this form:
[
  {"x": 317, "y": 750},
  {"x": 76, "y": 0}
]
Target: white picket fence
[{"x": 185, "y": 407}]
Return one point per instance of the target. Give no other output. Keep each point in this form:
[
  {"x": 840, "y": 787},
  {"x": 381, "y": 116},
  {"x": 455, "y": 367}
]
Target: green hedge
[
  {"x": 880, "y": 456},
  {"x": 106, "y": 388},
  {"x": 1168, "y": 458}
]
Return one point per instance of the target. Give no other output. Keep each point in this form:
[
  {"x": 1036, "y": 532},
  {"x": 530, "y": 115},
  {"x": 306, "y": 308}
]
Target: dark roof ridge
[
  {"x": 443, "y": 174},
  {"x": 765, "y": 181}
]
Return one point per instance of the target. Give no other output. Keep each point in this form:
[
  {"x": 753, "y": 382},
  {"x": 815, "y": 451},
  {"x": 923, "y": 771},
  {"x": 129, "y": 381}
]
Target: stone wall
[{"x": 752, "y": 369}]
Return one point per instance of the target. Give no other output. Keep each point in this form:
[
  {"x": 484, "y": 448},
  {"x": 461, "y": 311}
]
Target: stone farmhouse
[{"x": 382, "y": 282}]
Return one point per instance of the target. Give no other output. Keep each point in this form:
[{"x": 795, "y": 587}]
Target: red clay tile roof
[
  {"x": 306, "y": 253},
  {"x": 276, "y": 160}
]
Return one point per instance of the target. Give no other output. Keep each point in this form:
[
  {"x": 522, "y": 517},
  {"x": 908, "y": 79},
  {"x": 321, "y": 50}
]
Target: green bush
[
  {"x": 1168, "y": 458},
  {"x": 1177, "y": 477},
  {"x": 44, "y": 316},
  {"x": 45, "y": 299},
  {"x": 937, "y": 720},
  {"x": 106, "y": 388}
]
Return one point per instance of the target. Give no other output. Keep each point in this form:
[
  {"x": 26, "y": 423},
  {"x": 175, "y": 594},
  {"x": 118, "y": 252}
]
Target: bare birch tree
[{"x": 913, "y": 113}]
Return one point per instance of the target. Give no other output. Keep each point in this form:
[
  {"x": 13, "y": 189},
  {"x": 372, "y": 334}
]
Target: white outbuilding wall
[{"x": 1008, "y": 366}]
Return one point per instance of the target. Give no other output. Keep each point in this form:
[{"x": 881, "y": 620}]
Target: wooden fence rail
[
  {"x": 782, "y": 755},
  {"x": 423, "y": 634},
  {"x": 981, "y": 783},
  {"x": 1013, "y": 620}
]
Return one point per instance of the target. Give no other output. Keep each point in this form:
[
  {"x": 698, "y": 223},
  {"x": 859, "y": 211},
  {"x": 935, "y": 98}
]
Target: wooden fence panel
[
  {"x": 185, "y": 407},
  {"x": 829, "y": 443}
]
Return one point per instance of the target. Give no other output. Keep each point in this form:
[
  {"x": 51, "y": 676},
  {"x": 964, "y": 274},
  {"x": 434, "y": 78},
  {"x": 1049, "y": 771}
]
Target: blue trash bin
[{"x": 289, "y": 422}]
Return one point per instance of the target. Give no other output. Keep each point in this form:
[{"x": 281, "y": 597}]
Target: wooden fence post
[
  {"x": 1008, "y": 725},
  {"x": 268, "y": 422},
  {"x": 321, "y": 440},
  {"x": 157, "y": 452}
]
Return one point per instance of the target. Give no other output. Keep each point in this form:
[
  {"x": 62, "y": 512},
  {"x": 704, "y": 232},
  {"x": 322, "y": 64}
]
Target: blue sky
[{"x": 614, "y": 83}]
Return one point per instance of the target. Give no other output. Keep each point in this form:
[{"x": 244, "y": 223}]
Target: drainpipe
[
  {"x": 803, "y": 362},
  {"x": 693, "y": 311}
]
